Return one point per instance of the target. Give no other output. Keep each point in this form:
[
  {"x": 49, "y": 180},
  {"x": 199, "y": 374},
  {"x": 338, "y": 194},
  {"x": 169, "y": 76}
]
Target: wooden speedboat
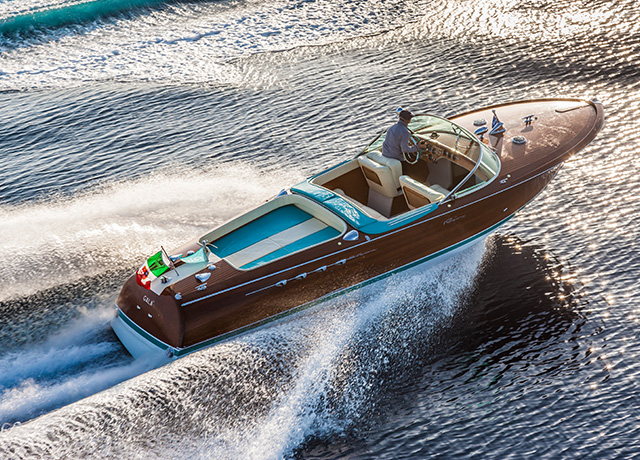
[{"x": 357, "y": 222}]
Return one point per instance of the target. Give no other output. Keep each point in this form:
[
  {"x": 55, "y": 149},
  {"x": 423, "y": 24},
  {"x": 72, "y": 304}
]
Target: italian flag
[{"x": 155, "y": 266}]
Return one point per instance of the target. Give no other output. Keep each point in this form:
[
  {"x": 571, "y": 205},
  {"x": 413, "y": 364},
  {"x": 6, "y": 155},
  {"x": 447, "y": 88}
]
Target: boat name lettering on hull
[
  {"x": 148, "y": 301},
  {"x": 453, "y": 219}
]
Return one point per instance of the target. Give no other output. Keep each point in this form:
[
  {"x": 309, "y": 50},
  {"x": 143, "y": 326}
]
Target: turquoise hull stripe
[
  {"x": 263, "y": 227},
  {"x": 311, "y": 240},
  {"x": 141, "y": 331}
]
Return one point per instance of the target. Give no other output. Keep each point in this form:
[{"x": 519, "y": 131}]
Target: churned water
[{"x": 129, "y": 124}]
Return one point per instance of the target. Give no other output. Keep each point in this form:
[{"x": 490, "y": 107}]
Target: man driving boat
[{"x": 396, "y": 141}]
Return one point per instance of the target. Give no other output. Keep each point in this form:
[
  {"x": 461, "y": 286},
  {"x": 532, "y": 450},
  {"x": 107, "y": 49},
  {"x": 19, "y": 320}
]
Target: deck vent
[
  {"x": 352, "y": 235},
  {"x": 479, "y": 122},
  {"x": 519, "y": 140},
  {"x": 202, "y": 277}
]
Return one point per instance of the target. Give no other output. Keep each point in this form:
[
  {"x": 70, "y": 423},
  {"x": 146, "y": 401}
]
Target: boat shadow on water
[{"x": 525, "y": 294}]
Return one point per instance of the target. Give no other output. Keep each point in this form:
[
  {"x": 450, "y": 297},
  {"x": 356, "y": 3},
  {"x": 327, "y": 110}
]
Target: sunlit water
[{"x": 130, "y": 125}]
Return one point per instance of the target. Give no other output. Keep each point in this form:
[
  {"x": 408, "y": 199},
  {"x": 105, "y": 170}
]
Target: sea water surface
[{"x": 132, "y": 123}]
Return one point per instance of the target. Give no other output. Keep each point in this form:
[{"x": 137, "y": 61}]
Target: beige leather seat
[
  {"x": 418, "y": 194},
  {"x": 382, "y": 173},
  {"x": 440, "y": 189}
]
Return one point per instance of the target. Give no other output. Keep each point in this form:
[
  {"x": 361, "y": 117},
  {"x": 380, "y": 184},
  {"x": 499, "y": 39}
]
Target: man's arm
[{"x": 404, "y": 143}]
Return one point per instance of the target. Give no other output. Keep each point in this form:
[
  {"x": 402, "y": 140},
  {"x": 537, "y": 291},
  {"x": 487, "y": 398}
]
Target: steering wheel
[{"x": 414, "y": 140}]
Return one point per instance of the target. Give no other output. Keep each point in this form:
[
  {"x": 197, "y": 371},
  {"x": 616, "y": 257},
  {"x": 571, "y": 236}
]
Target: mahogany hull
[{"x": 234, "y": 301}]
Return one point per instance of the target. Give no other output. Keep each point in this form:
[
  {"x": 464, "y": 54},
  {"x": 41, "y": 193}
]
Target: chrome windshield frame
[
  {"x": 468, "y": 176},
  {"x": 458, "y": 131}
]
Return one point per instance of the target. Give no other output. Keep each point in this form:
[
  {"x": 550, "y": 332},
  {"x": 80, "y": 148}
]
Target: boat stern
[{"x": 146, "y": 322}]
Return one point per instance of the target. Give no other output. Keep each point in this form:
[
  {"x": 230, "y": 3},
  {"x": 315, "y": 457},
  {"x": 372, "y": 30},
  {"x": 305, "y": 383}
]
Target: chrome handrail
[{"x": 468, "y": 176}]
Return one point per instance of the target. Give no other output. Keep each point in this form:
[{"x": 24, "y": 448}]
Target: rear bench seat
[{"x": 280, "y": 232}]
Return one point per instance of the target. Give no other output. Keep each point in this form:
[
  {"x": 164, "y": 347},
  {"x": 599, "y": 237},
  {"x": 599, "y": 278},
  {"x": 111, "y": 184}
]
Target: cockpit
[{"x": 453, "y": 163}]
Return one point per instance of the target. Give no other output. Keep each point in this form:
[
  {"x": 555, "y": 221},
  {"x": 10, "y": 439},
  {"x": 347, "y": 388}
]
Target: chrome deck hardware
[{"x": 528, "y": 120}]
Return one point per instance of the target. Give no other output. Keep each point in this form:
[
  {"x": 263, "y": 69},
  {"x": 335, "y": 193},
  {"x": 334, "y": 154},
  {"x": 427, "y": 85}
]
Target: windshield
[{"x": 446, "y": 139}]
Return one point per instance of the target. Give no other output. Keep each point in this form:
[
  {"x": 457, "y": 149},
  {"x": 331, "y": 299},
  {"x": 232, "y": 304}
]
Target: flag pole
[{"x": 173, "y": 266}]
